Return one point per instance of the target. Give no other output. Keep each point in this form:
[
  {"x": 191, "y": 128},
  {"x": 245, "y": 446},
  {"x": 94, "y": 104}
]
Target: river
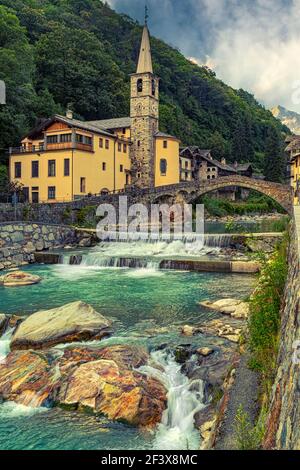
[{"x": 147, "y": 306}]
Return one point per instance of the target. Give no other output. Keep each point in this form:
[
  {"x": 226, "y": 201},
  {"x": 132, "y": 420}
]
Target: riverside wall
[
  {"x": 20, "y": 241},
  {"x": 283, "y": 424}
]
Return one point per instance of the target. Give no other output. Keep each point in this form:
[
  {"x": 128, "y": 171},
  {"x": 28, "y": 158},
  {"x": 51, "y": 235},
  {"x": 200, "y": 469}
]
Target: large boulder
[
  {"x": 26, "y": 378},
  {"x": 76, "y": 321},
  {"x": 19, "y": 279},
  {"x": 232, "y": 307},
  {"x": 119, "y": 393},
  {"x": 104, "y": 381}
]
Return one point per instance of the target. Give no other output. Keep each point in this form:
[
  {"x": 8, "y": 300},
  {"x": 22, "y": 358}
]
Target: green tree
[
  {"x": 16, "y": 69},
  {"x": 275, "y": 160}
]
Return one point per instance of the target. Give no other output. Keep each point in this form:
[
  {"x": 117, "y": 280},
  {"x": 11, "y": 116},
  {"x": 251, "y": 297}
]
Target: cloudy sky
[{"x": 251, "y": 44}]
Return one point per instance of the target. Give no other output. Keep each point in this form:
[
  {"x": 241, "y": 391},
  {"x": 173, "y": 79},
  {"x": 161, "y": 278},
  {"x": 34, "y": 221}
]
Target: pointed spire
[{"x": 145, "y": 59}]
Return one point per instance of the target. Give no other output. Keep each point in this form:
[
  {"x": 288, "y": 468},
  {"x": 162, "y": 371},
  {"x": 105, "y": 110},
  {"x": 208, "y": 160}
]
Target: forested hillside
[{"x": 80, "y": 51}]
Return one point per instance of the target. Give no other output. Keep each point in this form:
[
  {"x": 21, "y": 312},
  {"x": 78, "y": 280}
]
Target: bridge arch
[{"x": 190, "y": 191}]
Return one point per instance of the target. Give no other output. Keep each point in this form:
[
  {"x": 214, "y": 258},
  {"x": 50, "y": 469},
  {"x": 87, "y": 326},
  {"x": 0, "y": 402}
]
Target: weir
[{"x": 189, "y": 254}]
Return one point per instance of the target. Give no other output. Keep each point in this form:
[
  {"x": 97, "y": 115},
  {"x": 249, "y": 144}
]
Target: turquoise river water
[{"x": 147, "y": 307}]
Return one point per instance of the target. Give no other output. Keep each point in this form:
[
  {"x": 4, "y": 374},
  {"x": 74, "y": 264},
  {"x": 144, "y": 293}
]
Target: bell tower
[{"x": 144, "y": 115}]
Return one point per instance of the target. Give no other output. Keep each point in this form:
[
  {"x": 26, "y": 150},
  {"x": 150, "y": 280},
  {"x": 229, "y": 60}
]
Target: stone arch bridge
[{"x": 188, "y": 192}]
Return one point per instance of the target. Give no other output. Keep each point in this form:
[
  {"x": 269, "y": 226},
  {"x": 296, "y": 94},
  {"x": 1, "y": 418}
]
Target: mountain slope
[
  {"x": 82, "y": 52},
  {"x": 288, "y": 118}
]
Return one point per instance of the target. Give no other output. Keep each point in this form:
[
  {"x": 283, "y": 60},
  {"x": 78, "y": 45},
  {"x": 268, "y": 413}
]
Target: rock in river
[
  {"x": 102, "y": 380},
  {"x": 76, "y": 321},
  {"x": 19, "y": 279},
  {"x": 232, "y": 307}
]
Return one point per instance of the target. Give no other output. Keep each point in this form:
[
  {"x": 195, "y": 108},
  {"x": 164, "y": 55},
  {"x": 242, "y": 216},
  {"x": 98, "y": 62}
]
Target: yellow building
[
  {"x": 63, "y": 158},
  {"x": 293, "y": 149}
]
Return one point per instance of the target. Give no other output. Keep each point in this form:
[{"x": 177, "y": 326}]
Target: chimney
[
  {"x": 223, "y": 161},
  {"x": 69, "y": 112},
  {"x": 235, "y": 164}
]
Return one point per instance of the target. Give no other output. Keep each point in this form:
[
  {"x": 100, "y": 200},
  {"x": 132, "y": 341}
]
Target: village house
[
  {"x": 199, "y": 165},
  {"x": 293, "y": 150}
]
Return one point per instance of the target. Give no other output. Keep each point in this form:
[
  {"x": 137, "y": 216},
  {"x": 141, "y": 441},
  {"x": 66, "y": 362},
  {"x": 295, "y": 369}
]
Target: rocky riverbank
[{"x": 39, "y": 371}]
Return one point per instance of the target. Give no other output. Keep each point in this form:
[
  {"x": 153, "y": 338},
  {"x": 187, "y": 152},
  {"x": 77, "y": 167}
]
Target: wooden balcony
[{"x": 50, "y": 148}]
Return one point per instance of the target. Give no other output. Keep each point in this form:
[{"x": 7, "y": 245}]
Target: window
[
  {"x": 139, "y": 143},
  {"x": 163, "y": 166},
  {"x": 66, "y": 167},
  {"x": 165, "y": 144},
  {"x": 83, "y": 139},
  {"x": 186, "y": 165},
  {"x": 35, "y": 195},
  {"x": 139, "y": 85},
  {"x": 104, "y": 166},
  {"x": 121, "y": 168},
  {"x": 124, "y": 148},
  {"x": 106, "y": 144},
  {"x": 18, "y": 169},
  {"x": 51, "y": 192},
  {"x": 82, "y": 185},
  {"x": 101, "y": 143},
  {"x": 51, "y": 167},
  {"x": 127, "y": 179},
  {"x": 66, "y": 138},
  {"x": 52, "y": 139},
  {"x": 124, "y": 130},
  {"x": 153, "y": 87},
  {"x": 35, "y": 169},
  {"x": 119, "y": 147}
]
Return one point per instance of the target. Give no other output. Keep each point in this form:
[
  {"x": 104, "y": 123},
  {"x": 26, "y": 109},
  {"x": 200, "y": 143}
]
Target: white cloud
[{"x": 251, "y": 44}]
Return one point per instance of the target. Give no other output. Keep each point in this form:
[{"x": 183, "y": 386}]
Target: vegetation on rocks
[{"x": 263, "y": 341}]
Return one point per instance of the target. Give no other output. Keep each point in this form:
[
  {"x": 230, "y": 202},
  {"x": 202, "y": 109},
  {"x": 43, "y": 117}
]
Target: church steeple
[
  {"x": 145, "y": 59},
  {"x": 144, "y": 113}
]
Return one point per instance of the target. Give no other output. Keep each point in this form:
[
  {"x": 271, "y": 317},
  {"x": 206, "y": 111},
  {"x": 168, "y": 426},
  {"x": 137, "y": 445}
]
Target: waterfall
[
  {"x": 185, "y": 398},
  {"x": 5, "y": 344},
  {"x": 145, "y": 254},
  {"x": 218, "y": 240}
]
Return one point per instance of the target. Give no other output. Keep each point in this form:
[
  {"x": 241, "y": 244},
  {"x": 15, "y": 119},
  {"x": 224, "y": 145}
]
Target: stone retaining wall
[
  {"x": 283, "y": 427},
  {"x": 19, "y": 241}
]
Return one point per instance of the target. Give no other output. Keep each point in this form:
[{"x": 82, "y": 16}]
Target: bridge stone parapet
[{"x": 185, "y": 192}]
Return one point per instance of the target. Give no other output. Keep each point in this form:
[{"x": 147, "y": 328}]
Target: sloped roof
[
  {"x": 294, "y": 144},
  {"x": 116, "y": 123},
  {"x": 69, "y": 122},
  {"x": 195, "y": 151},
  {"x": 243, "y": 166},
  {"x": 163, "y": 134}
]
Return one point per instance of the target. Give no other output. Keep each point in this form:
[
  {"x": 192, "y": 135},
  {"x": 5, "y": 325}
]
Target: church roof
[
  {"x": 163, "y": 134},
  {"x": 116, "y": 123},
  {"x": 145, "y": 59}
]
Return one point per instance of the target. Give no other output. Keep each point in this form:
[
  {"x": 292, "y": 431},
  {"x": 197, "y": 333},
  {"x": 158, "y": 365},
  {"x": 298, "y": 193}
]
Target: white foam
[
  {"x": 5, "y": 344},
  {"x": 11, "y": 409},
  {"x": 185, "y": 398}
]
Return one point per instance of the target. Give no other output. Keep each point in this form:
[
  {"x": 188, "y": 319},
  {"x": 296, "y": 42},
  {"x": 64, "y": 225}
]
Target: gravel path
[{"x": 243, "y": 392}]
